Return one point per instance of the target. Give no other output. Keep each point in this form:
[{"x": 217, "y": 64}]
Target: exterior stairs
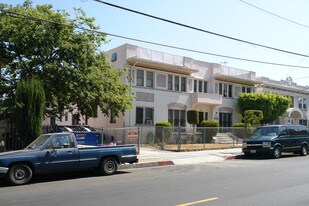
[{"x": 227, "y": 138}]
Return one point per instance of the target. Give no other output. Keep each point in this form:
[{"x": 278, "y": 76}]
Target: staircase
[{"x": 226, "y": 138}]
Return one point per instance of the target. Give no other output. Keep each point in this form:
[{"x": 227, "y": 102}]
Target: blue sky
[{"x": 228, "y": 17}]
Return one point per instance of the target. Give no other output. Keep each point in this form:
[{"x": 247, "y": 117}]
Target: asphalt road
[{"x": 233, "y": 182}]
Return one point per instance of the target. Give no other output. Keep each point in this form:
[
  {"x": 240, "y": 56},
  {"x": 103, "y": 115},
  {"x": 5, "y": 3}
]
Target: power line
[
  {"x": 201, "y": 30},
  {"x": 17, "y": 15},
  {"x": 280, "y": 17},
  {"x": 276, "y": 15}
]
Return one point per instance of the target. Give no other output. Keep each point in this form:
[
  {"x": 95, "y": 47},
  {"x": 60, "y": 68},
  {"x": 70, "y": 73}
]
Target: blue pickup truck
[{"x": 59, "y": 153}]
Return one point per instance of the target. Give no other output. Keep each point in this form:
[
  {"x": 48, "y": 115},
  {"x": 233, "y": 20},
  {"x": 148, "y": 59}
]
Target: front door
[{"x": 225, "y": 119}]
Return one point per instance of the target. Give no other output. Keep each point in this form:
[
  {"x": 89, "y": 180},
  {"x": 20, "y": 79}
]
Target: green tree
[
  {"x": 192, "y": 117},
  {"x": 272, "y": 105},
  {"x": 252, "y": 117},
  {"x": 30, "y": 104},
  {"x": 67, "y": 59}
]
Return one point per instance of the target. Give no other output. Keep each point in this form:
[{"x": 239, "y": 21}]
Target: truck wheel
[
  {"x": 277, "y": 152},
  {"x": 19, "y": 174},
  {"x": 108, "y": 166},
  {"x": 304, "y": 150}
]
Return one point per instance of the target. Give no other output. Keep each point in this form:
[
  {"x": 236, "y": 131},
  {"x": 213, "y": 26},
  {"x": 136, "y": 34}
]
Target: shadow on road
[
  {"x": 63, "y": 176},
  {"x": 265, "y": 157}
]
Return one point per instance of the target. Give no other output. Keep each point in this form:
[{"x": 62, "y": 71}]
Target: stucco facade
[{"x": 165, "y": 86}]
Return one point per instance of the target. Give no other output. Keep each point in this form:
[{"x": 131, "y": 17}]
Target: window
[
  {"x": 302, "y": 103},
  {"x": 170, "y": 82},
  {"x": 195, "y": 85},
  {"x": 149, "y": 116},
  {"x": 230, "y": 91},
  {"x": 246, "y": 89},
  {"x": 200, "y": 86},
  {"x": 140, "y": 78},
  {"x": 302, "y": 130},
  {"x": 176, "y": 83},
  {"x": 139, "y": 115},
  {"x": 303, "y": 122},
  {"x": 114, "y": 57},
  {"x": 205, "y": 87},
  {"x": 225, "y": 90},
  {"x": 177, "y": 117},
  {"x": 62, "y": 141},
  {"x": 183, "y": 84},
  {"x": 292, "y": 130},
  {"x": 144, "y": 115},
  {"x": 149, "y": 79}
]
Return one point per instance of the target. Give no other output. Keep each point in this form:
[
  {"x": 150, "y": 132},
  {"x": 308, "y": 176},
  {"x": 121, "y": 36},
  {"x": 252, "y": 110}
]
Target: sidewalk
[{"x": 150, "y": 157}]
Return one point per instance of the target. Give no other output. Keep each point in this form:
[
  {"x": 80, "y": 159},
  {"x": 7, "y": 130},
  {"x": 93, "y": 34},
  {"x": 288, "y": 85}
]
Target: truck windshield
[
  {"x": 266, "y": 131},
  {"x": 38, "y": 142}
]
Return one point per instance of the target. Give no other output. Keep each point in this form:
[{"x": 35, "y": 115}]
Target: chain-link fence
[
  {"x": 191, "y": 138},
  {"x": 168, "y": 138}
]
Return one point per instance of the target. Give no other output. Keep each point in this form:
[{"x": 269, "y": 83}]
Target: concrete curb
[
  {"x": 230, "y": 157},
  {"x": 146, "y": 164}
]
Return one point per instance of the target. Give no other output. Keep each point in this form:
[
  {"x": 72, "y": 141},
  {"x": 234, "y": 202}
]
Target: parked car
[
  {"x": 276, "y": 139},
  {"x": 58, "y": 153}
]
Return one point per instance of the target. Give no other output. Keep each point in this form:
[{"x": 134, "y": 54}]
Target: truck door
[{"x": 64, "y": 155}]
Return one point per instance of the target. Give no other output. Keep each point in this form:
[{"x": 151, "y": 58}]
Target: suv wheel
[
  {"x": 304, "y": 150},
  {"x": 277, "y": 152}
]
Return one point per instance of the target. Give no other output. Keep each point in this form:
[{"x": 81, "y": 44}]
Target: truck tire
[
  {"x": 108, "y": 166},
  {"x": 19, "y": 174},
  {"x": 303, "y": 150}
]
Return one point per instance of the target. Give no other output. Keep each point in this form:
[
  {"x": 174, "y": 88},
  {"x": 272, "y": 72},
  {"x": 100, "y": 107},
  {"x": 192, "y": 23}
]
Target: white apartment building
[{"x": 165, "y": 86}]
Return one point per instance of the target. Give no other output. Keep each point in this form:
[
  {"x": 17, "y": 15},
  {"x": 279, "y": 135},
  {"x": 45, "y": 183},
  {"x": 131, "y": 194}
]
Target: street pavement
[{"x": 150, "y": 157}]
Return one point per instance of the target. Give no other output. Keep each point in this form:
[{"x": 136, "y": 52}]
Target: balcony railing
[
  {"x": 160, "y": 57},
  {"x": 237, "y": 73}
]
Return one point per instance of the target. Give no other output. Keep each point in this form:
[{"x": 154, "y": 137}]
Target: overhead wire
[
  {"x": 276, "y": 15},
  {"x": 280, "y": 17},
  {"x": 33, "y": 18},
  {"x": 199, "y": 29}
]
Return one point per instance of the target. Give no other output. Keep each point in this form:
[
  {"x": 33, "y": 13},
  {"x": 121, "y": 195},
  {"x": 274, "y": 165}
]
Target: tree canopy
[
  {"x": 67, "y": 59},
  {"x": 272, "y": 105}
]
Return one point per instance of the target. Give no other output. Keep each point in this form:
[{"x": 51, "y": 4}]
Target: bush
[
  {"x": 241, "y": 132},
  {"x": 192, "y": 117},
  {"x": 161, "y": 127},
  {"x": 209, "y": 123},
  {"x": 209, "y": 133}
]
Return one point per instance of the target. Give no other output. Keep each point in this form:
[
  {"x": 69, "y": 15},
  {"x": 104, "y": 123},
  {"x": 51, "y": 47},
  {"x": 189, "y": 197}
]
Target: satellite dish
[{"x": 289, "y": 80}]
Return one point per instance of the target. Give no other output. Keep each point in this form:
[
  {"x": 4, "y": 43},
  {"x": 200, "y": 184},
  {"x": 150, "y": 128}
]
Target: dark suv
[{"x": 276, "y": 139}]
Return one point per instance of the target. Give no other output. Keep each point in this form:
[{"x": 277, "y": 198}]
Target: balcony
[
  {"x": 147, "y": 58},
  {"x": 234, "y": 75},
  {"x": 206, "y": 99}
]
